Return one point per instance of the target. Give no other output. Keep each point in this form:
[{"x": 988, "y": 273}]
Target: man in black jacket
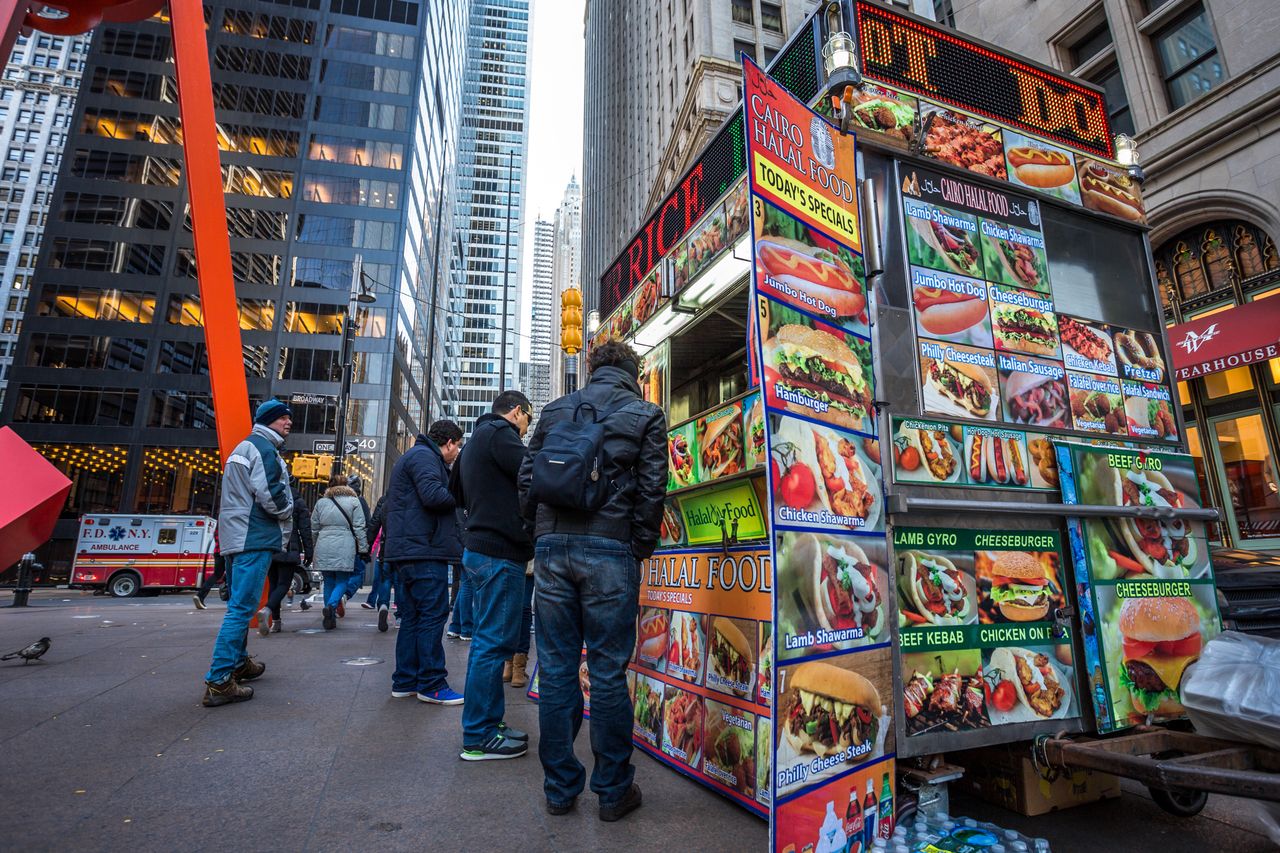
[
  {"x": 587, "y": 577},
  {"x": 420, "y": 539},
  {"x": 496, "y": 548},
  {"x": 286, "y": 563}
]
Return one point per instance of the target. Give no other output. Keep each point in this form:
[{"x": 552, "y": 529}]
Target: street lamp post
[{"x": 359, "y": 295}]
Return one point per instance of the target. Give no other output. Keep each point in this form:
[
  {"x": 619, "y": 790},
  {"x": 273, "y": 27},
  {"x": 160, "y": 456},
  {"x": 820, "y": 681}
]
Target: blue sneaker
[
  {"x": 497, "y": 747},
  {"x": 443, "y": 696},
  {"x": 512, "y": 733}
]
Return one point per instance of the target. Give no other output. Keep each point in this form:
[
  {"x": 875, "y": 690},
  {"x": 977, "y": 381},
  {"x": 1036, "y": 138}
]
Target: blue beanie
[{"x": 270, "y": 411}]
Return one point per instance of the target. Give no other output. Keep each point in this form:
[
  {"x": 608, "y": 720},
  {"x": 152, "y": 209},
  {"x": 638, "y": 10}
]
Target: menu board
[
  {"x": 991, "y": 344},
  {"x": 938, "y": 453},
  {"x": 832, "y": 722},
  {"x": 703, "y": 658},
  {"x": 1145, "y": 585},
  {"x": 979, "y": 644}
]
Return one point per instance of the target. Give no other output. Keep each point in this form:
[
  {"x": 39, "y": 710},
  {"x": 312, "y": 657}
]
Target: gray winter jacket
[
  {"x": 256, "y": 513},
  {"x": 335, "y": 550}
]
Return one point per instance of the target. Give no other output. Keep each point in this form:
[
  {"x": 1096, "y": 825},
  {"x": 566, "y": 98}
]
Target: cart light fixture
[
  {"x": 719, "y": 277},
  {"x": 660, "y": 327},
  {"x": 1127, "y": 155},
  {"x": 840, "y": 62}
]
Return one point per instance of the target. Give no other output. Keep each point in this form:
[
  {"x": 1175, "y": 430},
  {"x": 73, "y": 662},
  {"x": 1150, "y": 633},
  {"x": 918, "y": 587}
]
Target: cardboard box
[{"x": 1006, "y": 776}]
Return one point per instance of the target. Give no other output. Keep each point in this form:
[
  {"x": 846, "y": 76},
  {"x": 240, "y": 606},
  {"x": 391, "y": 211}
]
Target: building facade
[
  {"x": 566, "y": 272},
  {"x": 490, "y": 208},
  {"x": 537, "y": 380},
  {"x": 660, "y": 78},
  {"x": 334, "y": 118},
  {"x": 37, "y": 98},
  {"x": 1197, "y": 82}
]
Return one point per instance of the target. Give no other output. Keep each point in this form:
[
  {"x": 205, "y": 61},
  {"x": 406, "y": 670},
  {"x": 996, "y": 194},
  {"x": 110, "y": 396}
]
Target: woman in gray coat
[{"x": 337, "y": 523}]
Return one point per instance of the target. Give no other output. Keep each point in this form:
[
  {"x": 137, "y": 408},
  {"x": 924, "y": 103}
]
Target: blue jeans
[
  {"x": 246, "y": 576},
  {"x": 587, "y": 588},
  {"x": 496, "y": 586},
  {"x": 424, "y": 608},
  {"x": 355, "y": 579},
  {"x": 380, "y": 592},
  {"x": 464, "y": 614},
  {"x": 526, "y": 617},
  {"x": 335, "y": 587}
]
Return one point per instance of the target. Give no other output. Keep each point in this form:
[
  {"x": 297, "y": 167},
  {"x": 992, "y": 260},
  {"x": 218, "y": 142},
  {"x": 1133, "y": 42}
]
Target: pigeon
[{"x": 30, "y": 653}]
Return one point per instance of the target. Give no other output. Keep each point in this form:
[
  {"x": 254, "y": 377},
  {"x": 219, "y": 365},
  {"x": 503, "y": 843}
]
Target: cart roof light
[
  {"x": 661, "y": 327},
  {"x": 718, "y": 278}
]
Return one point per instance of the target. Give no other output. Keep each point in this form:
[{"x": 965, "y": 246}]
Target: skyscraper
[
  {"x": 537, "y": 382},
  {"x": 491, "y": 174},
  {"x": 660, "y": 77},
  {"x": 36, "y": 101},
  {"x": 337, "y": 124},
  {"x": 566, "y": 273}
]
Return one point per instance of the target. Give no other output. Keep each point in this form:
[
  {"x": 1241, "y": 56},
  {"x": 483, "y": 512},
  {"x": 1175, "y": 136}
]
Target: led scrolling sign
[{"x": 938, "y": 65}]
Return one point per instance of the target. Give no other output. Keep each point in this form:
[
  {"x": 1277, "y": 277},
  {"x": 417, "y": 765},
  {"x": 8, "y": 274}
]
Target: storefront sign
[
  {"x": 939, "y": 64},
  {"x": 1145, "y": 586},
  {"x": 723, "y": 514},
  {"x": 1246, "y": 334},
  {"x": 979, "y": 644}
]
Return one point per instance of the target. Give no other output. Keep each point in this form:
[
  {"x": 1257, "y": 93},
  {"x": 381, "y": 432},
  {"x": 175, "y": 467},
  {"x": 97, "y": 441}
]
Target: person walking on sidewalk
[
  {"x": 462, "y": 625},
  {"x": 340, "y": 539},
  {"x": 356, "y": 580},
  {"x": 219, "y": 572},
  {"x": 496, "y": 548},
  {"x": 380, "y": 593},
  {"x": 587, "y": 573},
  {"x": 420, "y": 539},
  {"x": 255, "y": 519},
  {"x": 283, "y": 565}
]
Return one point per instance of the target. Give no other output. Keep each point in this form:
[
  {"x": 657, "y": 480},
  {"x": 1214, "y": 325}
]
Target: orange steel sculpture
[{"x": 203, "y": 171}]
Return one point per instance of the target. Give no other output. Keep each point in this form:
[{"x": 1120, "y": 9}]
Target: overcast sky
[{"x": 555, "y": 122}]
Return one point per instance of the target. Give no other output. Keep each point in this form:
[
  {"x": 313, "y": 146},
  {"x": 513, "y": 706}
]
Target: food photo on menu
[
  {"x": 686, "y": 646},
  {"x": 1141, "y": 547},
  {"x": 928, "y": 452},
  {"x": 764, "y": 664},
  {"x": 647, "y": 709},
  {"x": 962, "y": 140},
  {"x": 753, "y": 425},
  {"x": 888, "y": 113},
  {"x": 959, "y": 381},
  {"x": 709, "y": 239},
  {"x": 671, "y": 529},
  {"x": 942, "y": 239},
  {"x": 1086, "y": 345},
  {"x": 731, "y": 657},
  {"x": 1139, "y": 355},
  {"x": 936, "y": 589},
  {"x": 683, "y": 725},
  {"x": 807, "y": 269},
  {"x": 996, "y": 457},
  {"x": 1109, "y": 189},
  {"x": 646, "y": 300},
  {"x": 1014, "y": 256},
  {"x": 623, "y": 322},
  {"x": 1148, "y": 410},
  {"x": 681, "y": 466},
  {"x": 1037, "y": 164},
  {"x": 764, "y": 758},
  {"x": 738, "y": 211},
  {"x": 719, "y": 441},
  {"x": 950, "y": 308},
  {"x": 1023, "y": 321},
  {"x": 944, "y": 691},
  {"x": 824, "y": 478},
  {"x": 731, "y": 747},
  {"x": 1044, "y": 462},
  {"x": 1027, "y": 685},
  {"x": 1097, "y": 404},
  {"x": 652, "y": 637},
  {"x": 833, "y": 715},
  {"x": 833, "y": 593},
  {"x": 1018, "y": 586},
  {"x": 1033, "y": 391}
]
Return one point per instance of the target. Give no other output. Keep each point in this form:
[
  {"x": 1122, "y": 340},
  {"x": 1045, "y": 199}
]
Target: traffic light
[{"x": 571, "y": 320}]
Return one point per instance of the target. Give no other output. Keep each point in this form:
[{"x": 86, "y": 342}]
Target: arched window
[{"x": 1210, "y": 256}]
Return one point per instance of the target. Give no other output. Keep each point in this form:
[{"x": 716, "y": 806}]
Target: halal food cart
[{"x": 928, "y": 488}]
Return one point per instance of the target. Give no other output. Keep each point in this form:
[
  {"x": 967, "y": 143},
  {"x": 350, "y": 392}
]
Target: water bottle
[
  {"x": 1042, "y": 845},
  {"x": 1018, "y": 846}
]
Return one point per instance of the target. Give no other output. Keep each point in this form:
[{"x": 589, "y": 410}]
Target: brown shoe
[
  {"x": 225, "y": 693},
  {"x": 519, "y": 674},
  {"x": 506, "y": 671},
  {"x": 248, "y": 671}
]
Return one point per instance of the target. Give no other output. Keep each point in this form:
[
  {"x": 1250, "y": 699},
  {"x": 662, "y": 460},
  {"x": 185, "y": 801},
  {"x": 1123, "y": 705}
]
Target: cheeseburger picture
[
  {"x": 1020, "y": 590},
  {"x": 1023, "y": 329},
  {"x": 828, "y": 710},
  {"x": 1160, "y": 638},
  {"x": 813, "y": 372}
]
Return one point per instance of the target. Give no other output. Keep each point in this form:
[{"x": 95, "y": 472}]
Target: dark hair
[
  {"x": 337, "y": 479},
  {"x": 508, "y": 400},
  {"x": 612, "y": 352},
  {"x": 442, "y": 432}
]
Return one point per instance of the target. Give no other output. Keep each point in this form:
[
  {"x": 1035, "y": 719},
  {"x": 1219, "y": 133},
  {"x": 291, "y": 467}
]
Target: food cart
[{"x": 928, "y": 488}]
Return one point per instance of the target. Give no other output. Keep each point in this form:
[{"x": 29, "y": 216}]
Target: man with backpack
[
  {"x": 592, "y": 487},
  {"x": 496, "y": 548}
]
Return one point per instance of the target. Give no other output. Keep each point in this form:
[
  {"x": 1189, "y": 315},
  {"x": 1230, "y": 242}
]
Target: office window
[
  {"x": 743, "y": 13},
  {"x": 740, "y": 47},
  {"x": 1117, "y": 99},
  {"x": 1188, "y": 56},
  {"x": 94, "y": 304},
  {"x": 1092, "y": 44},
  {"x": 771, "y": 17}
]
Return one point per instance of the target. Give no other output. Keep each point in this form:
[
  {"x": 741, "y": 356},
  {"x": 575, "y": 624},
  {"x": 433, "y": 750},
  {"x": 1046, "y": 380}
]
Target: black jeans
[
  {"x": 219, "y": 569},
  {"x": 281, "y": 577}
]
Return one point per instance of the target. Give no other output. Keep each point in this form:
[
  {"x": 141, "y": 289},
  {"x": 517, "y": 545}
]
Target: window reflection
[
  {"x": 96, "y": 473},
  {"x": 58, "y": 300},
  {"x": 1250, "y": 474},
  {"x": 255, "y": 314},
  {"x": 179, "y": 480}
]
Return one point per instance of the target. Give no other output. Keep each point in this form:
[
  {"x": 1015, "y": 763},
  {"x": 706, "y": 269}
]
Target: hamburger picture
[
  {"x": 1160, "y": 638},
  {"x": 818, "y": 366},
  {"x": 730, "y": 655},
  {"x": 828, "y": 710},
  {"x": 1024, "y": 329},
  {"x": 1019, "y": 588}
]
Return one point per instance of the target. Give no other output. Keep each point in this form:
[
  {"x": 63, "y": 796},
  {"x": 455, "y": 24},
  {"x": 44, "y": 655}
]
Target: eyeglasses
[{"x": 528, "y": 413}]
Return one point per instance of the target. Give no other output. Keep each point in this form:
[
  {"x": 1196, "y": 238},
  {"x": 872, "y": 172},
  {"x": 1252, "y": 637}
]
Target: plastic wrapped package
[{"x": 1233, "y": 691}]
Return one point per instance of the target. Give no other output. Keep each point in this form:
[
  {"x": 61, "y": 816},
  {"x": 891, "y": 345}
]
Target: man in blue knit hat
[{"x": 254, "y": 522}]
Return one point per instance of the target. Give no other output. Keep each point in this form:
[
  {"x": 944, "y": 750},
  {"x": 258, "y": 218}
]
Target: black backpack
[{"x": 568, "y": 471}]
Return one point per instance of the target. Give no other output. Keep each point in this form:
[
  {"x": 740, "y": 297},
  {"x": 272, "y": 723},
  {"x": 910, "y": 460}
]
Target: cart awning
[{"x": 1246, "y": 334}]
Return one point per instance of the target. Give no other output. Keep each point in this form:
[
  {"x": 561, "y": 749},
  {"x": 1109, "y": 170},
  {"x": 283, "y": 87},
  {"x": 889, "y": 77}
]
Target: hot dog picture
[
  {"x": 950, "y": 308},
  {"x": 996, "y": 458},
  {"x": 652, "y": 637},
  {"x": 816, "y": 273},
  {"x": 934, "y": 591},
  {"x": 1041, "y": 166},
  {"x": 671, "y": 528},
  {"x": 1106, "y": 189}
]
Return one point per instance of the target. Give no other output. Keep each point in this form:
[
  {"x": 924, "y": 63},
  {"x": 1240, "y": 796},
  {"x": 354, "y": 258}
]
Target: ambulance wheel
[
  {"x": 124, "y": 585},
  {"x": 1180, "y": 802}
]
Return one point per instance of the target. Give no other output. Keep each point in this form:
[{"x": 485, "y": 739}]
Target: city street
[{"x": 107, "y": 747}]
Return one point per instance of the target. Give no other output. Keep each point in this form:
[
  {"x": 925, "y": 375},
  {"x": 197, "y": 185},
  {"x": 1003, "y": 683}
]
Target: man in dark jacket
[
  {"x": 420, "y": 539},
  {"x": 496, "y": 548},
  {"x": 587, "y": 577},
  {"x": 297, "y": 553}
]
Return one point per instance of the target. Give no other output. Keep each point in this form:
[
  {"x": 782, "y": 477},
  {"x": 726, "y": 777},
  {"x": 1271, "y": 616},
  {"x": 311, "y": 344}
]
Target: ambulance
[{"x": 123, "y": 554}]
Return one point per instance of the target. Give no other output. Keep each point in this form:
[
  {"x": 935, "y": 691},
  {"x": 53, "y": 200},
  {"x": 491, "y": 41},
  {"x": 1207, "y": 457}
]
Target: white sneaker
[
  {"x": 264, "y": 621},
  {"x": 403, "y": 694},
  {"x": 199, "y": 602}
]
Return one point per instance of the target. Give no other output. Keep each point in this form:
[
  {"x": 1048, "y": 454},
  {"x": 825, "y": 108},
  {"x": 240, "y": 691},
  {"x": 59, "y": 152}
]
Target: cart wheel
[{"x": 1180, "y": 802}]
